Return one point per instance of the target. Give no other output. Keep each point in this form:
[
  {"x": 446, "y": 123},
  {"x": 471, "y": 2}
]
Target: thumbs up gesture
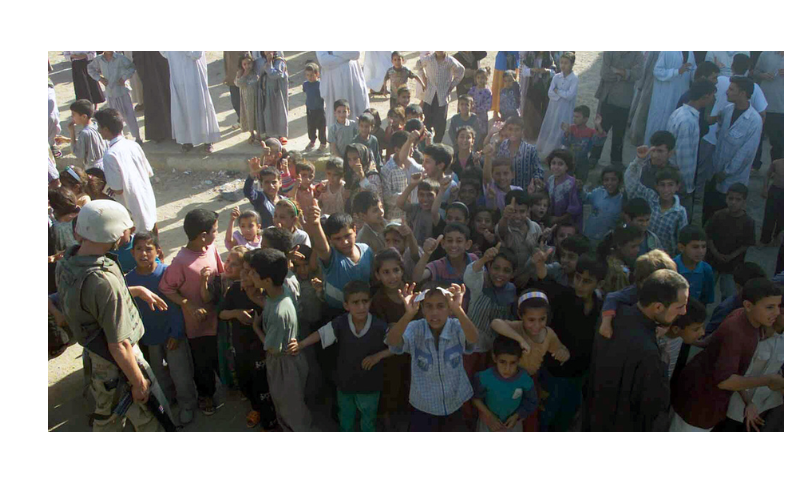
[{"x": 431, "y": 244}]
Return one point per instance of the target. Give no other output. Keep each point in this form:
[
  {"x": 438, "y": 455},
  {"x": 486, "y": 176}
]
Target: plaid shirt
[
  {"x": 442, "y": 77},
  {"x": 684, "y": 123},
  {"x": 395, "y": 180},
  {"x": 736, "y": 146},
  {"x": 665, "y": 225},
  {"x": 439, "y": 383}
]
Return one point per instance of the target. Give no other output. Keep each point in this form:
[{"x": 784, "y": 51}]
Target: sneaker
[
  {"x": 186, "y": 416},
  {"x": 309, "y": 147},
  {"x": 207, "y": 406},
  {"x": 322, "y": 148}
]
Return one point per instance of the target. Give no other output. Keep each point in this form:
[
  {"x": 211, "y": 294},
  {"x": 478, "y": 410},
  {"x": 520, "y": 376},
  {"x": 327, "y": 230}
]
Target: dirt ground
[{"x": 179, "y": 190}]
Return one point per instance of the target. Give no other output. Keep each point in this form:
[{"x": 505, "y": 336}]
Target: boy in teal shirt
[{"x": 692, "y": 242}]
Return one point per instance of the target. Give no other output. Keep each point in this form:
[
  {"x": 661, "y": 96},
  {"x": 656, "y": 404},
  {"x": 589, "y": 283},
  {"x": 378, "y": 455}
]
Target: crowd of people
[{"x": 425, "y": 287}]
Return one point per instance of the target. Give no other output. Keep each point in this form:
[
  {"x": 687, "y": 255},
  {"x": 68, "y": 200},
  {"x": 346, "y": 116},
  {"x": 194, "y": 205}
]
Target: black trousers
[
  {"x": 206, "y": 364},
  {"x": 435, "y": 118},
  {"x": 315, "y": 122},
  {"x": 425, "y": 422},
  {"x": 713, "y": 201},
  {"x": 614, "y": 119},
  {"x": 773, "y": 422},
  {"x": 251, "y": 372},
  {"x": 773, "y": 215},
  {"x": 235, "y": 99},
  {"x": 773, "y": 129}
]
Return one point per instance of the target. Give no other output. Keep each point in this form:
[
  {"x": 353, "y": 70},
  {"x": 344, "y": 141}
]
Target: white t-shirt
[
  {"x": 127, "y": 169},
  {"x": 757, "y": 100}
]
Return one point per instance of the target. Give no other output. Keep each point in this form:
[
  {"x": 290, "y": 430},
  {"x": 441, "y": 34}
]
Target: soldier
[{"x": 100, "y": 310}]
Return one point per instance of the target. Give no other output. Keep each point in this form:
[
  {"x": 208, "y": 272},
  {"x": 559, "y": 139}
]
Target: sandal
[
  {"x": 209, "y": 148},
  {"x": 253, "y": 419}
]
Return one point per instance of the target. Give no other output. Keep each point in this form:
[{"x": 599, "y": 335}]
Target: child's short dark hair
[
  {"x": 376, "y": 117},
  {"x": 563, "y": 155},
  {"x": 514, "y": 121},
  {"x": 250, "y": 214},
  {"x": 668, "y": 173},
  {"x": 270, "y": 263},
  {"x": 414, "y": 109},
  {"x": 650, "y": 262},
  {"x": 740, "y": 64},
  {"x": 739, "y": 188},
  {"x": 508, "y": 254},
  {"x": 569, "y": 56},
  {"x": 277, "y": 238},
  {"x": 583, "y": 110},
  {"x": 399, "y": 138},
  {"x": 618, "y": 237},
  {"x": 706, "y": 69},
  {"x": 398, "y": 112},
  {"x": 442, "y": 154},
  {"x": 456, "y": 227},
  {"x": 520, "y": 196},
  {"x": 413, "y": 124},
  {"x": 304, "y": 166},
  {"x": 458, "y": 206},
  {"x": 110, "y": 119},
  {"x": 510, "y": 73},
  {"x": 502, "y": 161},
  {"x": 695, "y": 313},
  {"x": 758, "y": 289},
  {"x": 537, "y": 198},
  {"x": 747, "y": 271},
  {"x": 691, "y": 233},
  {"x": 636, "y": 207},
  {"x": 82, "y": 107},
  {"x": 312, "y": 67},
  {"x": 662, "y": 286},
  {"x": 353, "y": 287},
  {"x": 701, "y": 88},
  {"x": 396, "y": 54},
  {"x": 428, "y": 185},
  {"x": 336, "y": 164},
  {"x": 613, "y": 169},
  {"x": 484, "y": 71},
  {"x": 403, "y": 89},
  {"x": 577, "y": 244},
  {"x": 533, "y": 302},
  {"x": 266, "y": 172},
  {"x": 336, "y": 223},
  {"x": 594, "y": 265},
  {"x": 503, "y": 345},
  {"x": 198, "y": 221},
  {"x": 147, "y": 237},
  {"x": 365, "y": 200},
  {"x": 366, "y": 118},
  {"x": 471, "y": 182},
  {"x": 663, "y": 137},
  {"x": 465, "y": 128},
  {"x": 341, "y": 103},
  {"x": 465, "y": 98}
]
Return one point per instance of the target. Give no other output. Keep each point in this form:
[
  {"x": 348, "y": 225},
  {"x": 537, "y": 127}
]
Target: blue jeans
[{"x": 364, "y": 403}]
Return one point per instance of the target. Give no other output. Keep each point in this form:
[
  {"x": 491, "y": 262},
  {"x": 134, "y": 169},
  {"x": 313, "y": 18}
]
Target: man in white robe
[
  {"x": 672, "y": 76},
  {"x": 341, "y": 77},
  {"x": 194, "y": 120},
  {"x": 375, "y": 66}
]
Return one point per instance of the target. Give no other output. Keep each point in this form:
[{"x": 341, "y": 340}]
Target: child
[
  {"x": 241, "y": 306},
  {"x": 331, "y": 190},
  {"x": 249, "y": 234},
  {"x": 419, "y": 215},
  {"x": 436, "y": 343},
  {"x": 360, "y": 173},
  {"x": 704, "y": 388},
  {"x": 398, "y": 76},
  {"x": 164, "y": 334},
  {"x": 359, "y": 370},
  {"x": 567, "y": 253},
  {"x": 315, "y": 109},
  {"x": 401, "y": 238},
  {"x": 619, "y": 249},
  {"x": 563, "y": 189},
  {"x": 469, "y": 193},
  {"x": 606, "y": 202},
  {"x": 287, "y": 218},
  {"x": 562, "y": 93},
  {"x": 668, "y": 216},
  {"x": 403, "y": 98},
  {"x": 657, "y": 157},
  {"x": 264, "y": 201},
  {"x": 456, "y": 212},
  {"x": 465, "y": 158},
  {"x": 462, "y": 118},
  {"x": 397, "y": 120},
  {"x": 645, "y": 265},
  {"x": 247, "y": 82},
  {"x": 367, "y": 206},
  {"x": 396, "y": 174},
  {"x": 346, "y": 261},
  {"x": 482, "y": 102},
  {"x": 377, "y": 131},
  {"x": 88, "y": 145},
  {"x": 183, "y": 283},
  {"x": 272, "y": 100},
  {"x": 502, "y": 176},
  {"x": 637, "y": 212},
  {"x": 304, "y": 193},
  {"x": 113, "y": 70},
  {"x": 579, "y": 139},
  {"x": 364, "y": 136},
  {"x": 286, "y": 373},
  {"x": 76, "y": 180},
  {"x": 509, "y": 96},
  {"x": 699, "y": 274},
  {"x": 524, "y": 156},
  {"x": 343, "y": 130},
  {"x": 65, "y": 210},
  {"x": 684, "y": 332},
  {"x": 504, "y": 394},
  {"x": 519, "y": 233},
  {"x": 482, "y": 227},
  {"x": 540, "y": 209},
  {"x": 449, "y": 269},
  {"x": 731, "y": 231},
  {"x": 288, "y": 168},
  {"x": 772, "y": 225},
  {"x": 741, "y": 275}
]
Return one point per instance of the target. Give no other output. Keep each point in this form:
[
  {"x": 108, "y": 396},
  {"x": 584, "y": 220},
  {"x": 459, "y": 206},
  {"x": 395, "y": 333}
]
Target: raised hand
[
  {"x": 454, "y": 301},
  {"x": 404, "y": 230},
  {"x": 314, "y": 215},
  {"x": 205, "y": 275},
  {"x": 317, "y": 284},
  {"x": 492, "y": 252},
  {"x": 642, "y": 151},
  {"x": 510, "y": 209},
  {"x": 254, "y": 164},
  {"x": 417, "y": 178},
  {"x": 235, "y": 213},
  {"x": 430, "y": 244},
  {"x": 539, "y": 183},
  {"x": 407, "y": 295},
  {"x": 564, "y": 127}
]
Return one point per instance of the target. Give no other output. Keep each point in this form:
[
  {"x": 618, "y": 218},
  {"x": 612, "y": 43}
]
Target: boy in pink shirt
[{"x": 186, "y": 283}]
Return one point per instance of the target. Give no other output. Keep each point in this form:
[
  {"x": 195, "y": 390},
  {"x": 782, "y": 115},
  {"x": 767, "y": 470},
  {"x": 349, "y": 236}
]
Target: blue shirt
[
  {"x": 340, "y": 270},
  {"x": 314, "y": 100},
  {"x": 701, "y": 280},
  {"x": 260, "y": 202},
  {"x": 158, "y": 326},
  {"x": 506, "y": 396},
  {"x": 606, "y": 211},
  {"x": 501, "y": 62},
  {"x": 439, "y": 383}
]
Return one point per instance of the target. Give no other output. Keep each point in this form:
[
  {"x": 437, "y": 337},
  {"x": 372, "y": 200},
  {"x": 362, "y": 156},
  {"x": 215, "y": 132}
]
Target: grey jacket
[{"x": 613, "y": 88}]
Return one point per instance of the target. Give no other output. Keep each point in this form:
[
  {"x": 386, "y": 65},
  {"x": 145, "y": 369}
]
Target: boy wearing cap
[{"x": 102, "y": 315}]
